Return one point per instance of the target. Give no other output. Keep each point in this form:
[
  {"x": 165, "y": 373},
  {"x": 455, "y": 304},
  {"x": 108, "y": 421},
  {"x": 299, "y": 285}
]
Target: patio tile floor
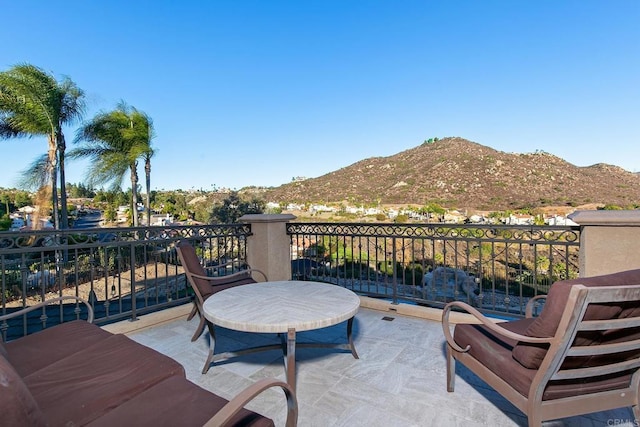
[{"x": 399, "y": 379}]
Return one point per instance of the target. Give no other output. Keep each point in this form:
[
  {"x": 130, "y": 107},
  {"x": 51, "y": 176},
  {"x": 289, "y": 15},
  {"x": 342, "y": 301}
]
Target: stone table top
[{"x": 274, "y": 307}]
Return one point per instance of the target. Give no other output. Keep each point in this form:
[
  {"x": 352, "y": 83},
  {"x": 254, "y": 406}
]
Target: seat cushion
[
  {"x": 36, "y": 351},
  {"x": 175, "y": 402},
  {"x": 546, "y": 325},
  {"x": 91, "y": 382},
  {"x": 495, "y": 353},
  {"x": 17, "y": 405}
]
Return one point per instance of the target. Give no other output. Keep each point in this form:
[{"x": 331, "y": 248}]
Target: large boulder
[{"x": 451, "y": 282}]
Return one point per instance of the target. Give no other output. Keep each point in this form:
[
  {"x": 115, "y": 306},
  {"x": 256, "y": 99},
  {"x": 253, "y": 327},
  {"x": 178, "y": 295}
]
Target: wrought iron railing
[
  {"x": 122, "y": 272},
  {"x": 125, "y": 272},
  {"x": 496, "y": 268}
]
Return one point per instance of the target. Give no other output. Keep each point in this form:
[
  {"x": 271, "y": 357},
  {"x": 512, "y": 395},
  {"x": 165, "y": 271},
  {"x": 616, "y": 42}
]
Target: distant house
[
  {"x": 519, "y": 219},
  {"x": 372, "y": 211},
  {"x": 16, "y": 224},
  {"x": 27, "y": 210},
  {"x": 294, "y": 207},
  {"x": 454, "y": 217},
  {"x": 121, "y": 214},
  {"x": 559, "y": 220},
  {"x": 477, "y": 219},
  {"x": 321, "y": 208},
  {"x": 354, "y": 210},
  {"x": 161, "y": 219}
]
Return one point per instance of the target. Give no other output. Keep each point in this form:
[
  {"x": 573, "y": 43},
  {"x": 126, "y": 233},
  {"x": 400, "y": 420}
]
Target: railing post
[
  {"x": 609, "y": 241},
  {"x": 269, "y": 246},
  {"x": 394, "y": 270},
  {"x": 132, "y": 272}
]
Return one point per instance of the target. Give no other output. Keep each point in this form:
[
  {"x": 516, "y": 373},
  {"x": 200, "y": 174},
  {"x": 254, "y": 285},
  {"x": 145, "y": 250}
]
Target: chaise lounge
[
  {"x": 581, "y": 355},
  {"x": 76, "y": 373}
]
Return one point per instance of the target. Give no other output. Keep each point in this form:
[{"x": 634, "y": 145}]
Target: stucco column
[
  {"x": 269, "y": 247},
  {"x": 609, "y": 241}
]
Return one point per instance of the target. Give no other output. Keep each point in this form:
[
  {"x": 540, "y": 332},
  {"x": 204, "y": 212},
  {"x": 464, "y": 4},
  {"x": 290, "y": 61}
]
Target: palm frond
[{"x": 37, "y": 174}]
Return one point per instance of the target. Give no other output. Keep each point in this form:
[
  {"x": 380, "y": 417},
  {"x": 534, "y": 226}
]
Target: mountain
[{"x": 457, "y": 173}]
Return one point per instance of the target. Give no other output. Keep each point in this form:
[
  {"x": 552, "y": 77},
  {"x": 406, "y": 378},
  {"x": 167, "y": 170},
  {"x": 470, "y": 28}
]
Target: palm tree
[
  {"x": 147, "y": 172},
  {"x": 33, "y": 103},
  {"x": 114, "y": 141}
]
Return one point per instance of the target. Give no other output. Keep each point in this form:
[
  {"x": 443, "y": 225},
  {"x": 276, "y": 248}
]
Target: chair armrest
[
  {"x": 529, "y": 308},
  {"x": 249, "y": 269},
  {"x": 218, "y": 266},
  {"x": 47, "y": 302},
  {"x": 223, "y": 417},
  {"x": 262, "y": 273},
  {"x": 228, "y": 276},
  {"x": 492, "y": 326}
]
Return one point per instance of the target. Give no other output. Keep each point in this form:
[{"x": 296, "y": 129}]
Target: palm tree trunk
[
  {"x": 53, "y": 164},
  {"x": 134, "y": 194},
  {"x": 147, "y": 172},
  {"x": 64, "y": 215}
]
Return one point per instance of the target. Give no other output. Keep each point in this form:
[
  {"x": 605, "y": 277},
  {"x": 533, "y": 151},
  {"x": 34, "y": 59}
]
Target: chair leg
[
  {"x": 194, "y": 310},
  {"x": 534, "y": 419},
  {"x": 451, "y": 371},
  {"x": 199, "y": 330}
]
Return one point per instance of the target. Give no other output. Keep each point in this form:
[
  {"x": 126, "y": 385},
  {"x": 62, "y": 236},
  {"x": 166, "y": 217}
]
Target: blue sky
[{"x": 257, "y": 92}]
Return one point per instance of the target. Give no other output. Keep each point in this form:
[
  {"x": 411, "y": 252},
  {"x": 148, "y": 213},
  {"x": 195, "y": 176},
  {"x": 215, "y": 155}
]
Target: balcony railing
[
  {"x": 496, "y": 268},
  {"x": 125, "y": 272},
  {"x": 122, "y": 272}
]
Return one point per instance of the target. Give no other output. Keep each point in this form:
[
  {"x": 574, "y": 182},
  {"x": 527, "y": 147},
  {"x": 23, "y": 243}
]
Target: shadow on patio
[{"x": 399, "y": 379}]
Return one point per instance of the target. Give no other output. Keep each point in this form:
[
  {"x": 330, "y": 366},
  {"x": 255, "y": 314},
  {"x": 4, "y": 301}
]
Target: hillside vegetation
[{"x": 458, "y": 173}]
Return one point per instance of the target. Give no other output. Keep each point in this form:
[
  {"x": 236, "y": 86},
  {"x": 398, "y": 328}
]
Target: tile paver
[{"x": 399, "y": 379}]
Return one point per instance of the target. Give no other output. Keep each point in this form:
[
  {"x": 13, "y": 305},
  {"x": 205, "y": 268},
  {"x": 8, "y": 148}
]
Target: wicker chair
[
  {"x": 581, "y": 355},
  {"x": 204, "y": 285}
]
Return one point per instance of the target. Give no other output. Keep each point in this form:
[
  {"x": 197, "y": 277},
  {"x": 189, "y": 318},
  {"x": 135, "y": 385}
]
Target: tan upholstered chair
[
  {"x": 581, "y": 355},
  {"x": 205, "y": 285}
]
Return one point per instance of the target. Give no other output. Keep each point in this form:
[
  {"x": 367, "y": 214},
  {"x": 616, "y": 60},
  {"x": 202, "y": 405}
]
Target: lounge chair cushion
[
  {"x": 65, "y": 339},
  {"x": 495, "y": 353},
  {"x": 205, "y": 287},
  {"x": 17, "y": 405},
  {"x": 545, "y": 325},
  {"x": 193, "y": 265},
  {"x": 86, "y": 385},
  {"x": 173, "y": 402}
]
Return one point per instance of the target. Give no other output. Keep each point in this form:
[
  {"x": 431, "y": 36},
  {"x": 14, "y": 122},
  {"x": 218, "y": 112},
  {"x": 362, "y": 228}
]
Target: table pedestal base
[{"x": 288, "y": 347}]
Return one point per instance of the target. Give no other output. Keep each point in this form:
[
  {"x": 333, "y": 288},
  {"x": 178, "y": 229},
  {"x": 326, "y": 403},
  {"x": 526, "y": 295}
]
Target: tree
[
  {"x": 5, "y": 199},
  {"x": 33, "y": 103},
  {"x": 114, "y": 141},
  {"x": 233, "y": 207},
  {"x": 147, "y": 155}
]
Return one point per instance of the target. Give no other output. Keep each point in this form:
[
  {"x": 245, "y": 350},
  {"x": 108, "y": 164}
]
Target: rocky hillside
[{"x": 457, "y": 173}]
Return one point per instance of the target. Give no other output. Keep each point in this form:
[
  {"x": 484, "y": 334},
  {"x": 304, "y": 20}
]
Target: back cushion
[
  {"x": 17, "y": 406},
  {"x": 546, "y": 325},
  {"x": 192, "y": 264}
]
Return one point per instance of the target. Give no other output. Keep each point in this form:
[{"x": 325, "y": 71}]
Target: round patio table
[{"x": 281, "y": 307}]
